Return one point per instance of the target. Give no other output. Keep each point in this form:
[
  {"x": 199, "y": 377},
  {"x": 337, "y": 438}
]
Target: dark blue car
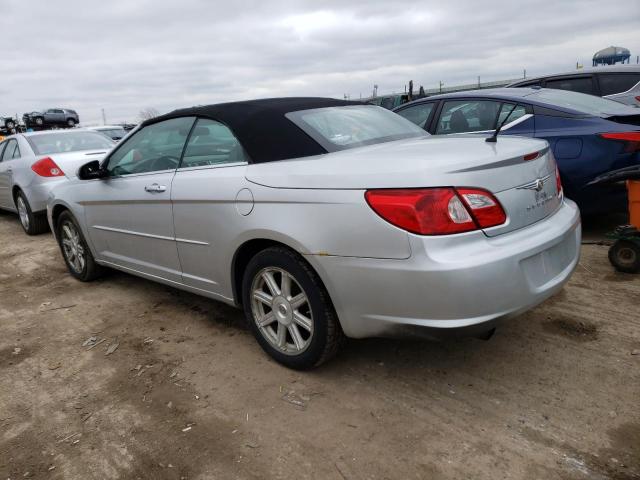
[{"x": 588, "y": 135}]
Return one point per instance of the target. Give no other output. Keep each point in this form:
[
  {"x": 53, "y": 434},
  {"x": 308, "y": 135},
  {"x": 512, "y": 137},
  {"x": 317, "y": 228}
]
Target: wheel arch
[{"x": 247, "y": 250}]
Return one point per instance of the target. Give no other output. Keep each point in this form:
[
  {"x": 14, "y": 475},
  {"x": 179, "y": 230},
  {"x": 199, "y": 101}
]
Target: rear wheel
[
  {"x": 624, "y": 255},
  {"x": 75, "y": 250},
  {"x": 289, "y": 310},
  {"x": 32, "y": 223}
]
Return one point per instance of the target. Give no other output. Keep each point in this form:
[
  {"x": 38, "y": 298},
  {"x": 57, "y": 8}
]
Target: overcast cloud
[{"x": 124, "y": 56}]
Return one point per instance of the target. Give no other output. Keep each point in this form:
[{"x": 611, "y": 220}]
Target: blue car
[{"x": 588, "y": 135}]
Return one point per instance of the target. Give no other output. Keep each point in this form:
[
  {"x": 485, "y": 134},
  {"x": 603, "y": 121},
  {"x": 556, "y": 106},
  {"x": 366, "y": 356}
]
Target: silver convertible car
[{"x": 324, "y": 219}]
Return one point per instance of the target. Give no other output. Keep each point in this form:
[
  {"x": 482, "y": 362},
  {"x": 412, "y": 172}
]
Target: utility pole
[
  {"x": 524, "y": 73},
  {"x": 478, "y": 81},
  {"x": 441, "y": 84},
  {"x": 104, "y": 117}
]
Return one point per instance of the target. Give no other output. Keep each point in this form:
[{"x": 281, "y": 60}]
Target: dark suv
[
  {"x": 7, "y": 125},
  {"x": 619, "y": 83},
  {"x": 52, "y": 117}
]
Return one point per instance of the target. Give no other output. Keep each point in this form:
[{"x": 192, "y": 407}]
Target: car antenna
[{"x": 494, "y": 138}]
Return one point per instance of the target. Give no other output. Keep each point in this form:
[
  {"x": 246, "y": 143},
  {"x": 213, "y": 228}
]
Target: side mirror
[{"x": 91, "y": 171}]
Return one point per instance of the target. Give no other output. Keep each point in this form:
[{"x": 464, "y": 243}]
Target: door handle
[{"x": 155, "y": 188}]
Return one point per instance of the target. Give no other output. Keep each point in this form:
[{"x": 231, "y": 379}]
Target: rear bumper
[
  {"x": 38, "y": 192},
  {"x": 466, "y": 281}
]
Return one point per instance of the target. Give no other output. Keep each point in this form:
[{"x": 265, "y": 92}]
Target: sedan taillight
[
  {"x": 437, "y": 211},
  {"x": 631, "y": 139},
  {"x": 46, "y": 167},
  {"x": 558, "y": 183}
]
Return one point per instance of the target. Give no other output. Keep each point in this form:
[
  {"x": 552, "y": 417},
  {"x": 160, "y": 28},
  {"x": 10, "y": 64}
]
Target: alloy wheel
[
  {"x": 23, "y": 212},
  {"x": 72, "y": 247},
  {"x": 281, "y": 311}
]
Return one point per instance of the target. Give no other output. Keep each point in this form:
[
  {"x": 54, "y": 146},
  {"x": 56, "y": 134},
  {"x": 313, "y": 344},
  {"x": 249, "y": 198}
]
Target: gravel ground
[{"x": 174, "y": 386}]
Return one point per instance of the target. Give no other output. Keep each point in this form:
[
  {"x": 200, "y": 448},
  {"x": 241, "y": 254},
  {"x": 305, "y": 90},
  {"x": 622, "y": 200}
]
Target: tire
[
  {"x": 10, "y": 125},
  {"x": 71, "y": 123},
  {"x": 32, "y": 223},
  {"x": 624, "y": 255},
  {"x": 75, "y": 251},
  {"x": 39, "y": 121},
  {"x": 312, "y": 333}
]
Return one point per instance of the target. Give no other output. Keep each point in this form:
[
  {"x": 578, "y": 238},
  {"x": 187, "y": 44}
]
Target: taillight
[
  {"x": 558, "y": 183},
  {"x": 632, "y": 140},
  {"x": 531, "y": 156},
  {"x": 46, "y": 167},
  {"x": 437, "y": 211}
]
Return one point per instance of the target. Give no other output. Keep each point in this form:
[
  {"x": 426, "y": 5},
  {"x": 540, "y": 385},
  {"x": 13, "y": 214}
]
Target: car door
[
  {"x": 420, "y": 113},
  {"x": 478, "y": 115},
  {"x": 128, "y": 214},
  {"x": 6, "y": 172},
  {"x": 467, "y": 115},
  {"x": 209, "y": 199},
  {"x": 5, "y": 182}
]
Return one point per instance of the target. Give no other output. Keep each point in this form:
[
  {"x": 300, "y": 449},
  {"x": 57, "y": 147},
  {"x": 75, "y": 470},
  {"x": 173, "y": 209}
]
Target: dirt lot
[{"x": 189, "y": 394}]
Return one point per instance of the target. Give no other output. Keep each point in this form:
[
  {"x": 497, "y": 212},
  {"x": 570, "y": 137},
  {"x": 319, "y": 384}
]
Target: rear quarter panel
[{"x": 582, "y": 155}]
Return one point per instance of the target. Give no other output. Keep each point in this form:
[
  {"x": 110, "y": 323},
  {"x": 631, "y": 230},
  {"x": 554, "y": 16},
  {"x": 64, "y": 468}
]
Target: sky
[{"x": 126, "y": 56}]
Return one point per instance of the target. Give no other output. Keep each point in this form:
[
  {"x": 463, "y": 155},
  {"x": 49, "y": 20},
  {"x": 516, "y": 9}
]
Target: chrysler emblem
[
  {"x": 536, "y": 185},
  {"x": 539, "y": 185}
]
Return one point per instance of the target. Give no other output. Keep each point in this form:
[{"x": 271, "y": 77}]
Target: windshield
[
  {"x": 582, "y": 102},
  {"x": 339, "y": 128},
  {"x": 63, "y": 142}
]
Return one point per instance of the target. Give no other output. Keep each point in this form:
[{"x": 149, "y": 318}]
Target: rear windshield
[
  {"x": 114, "y": 133},
  {"x": 581, "y": 102},
  {"x": 340, "y": 128},
  {"x": 61, "y": 142}
]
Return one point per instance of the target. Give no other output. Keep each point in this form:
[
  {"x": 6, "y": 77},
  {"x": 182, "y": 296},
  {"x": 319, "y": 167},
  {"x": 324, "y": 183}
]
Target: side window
[
  {"x": 611, "y": 83},
  {"x": 212, "y": 143},
  {"x": 505, "y": 110},
  {"x": 8, "y": 151},
  {"x": 579, "y": 84},
  {"x": 418, "y": 114},
  {"x": 461, "y": 116},
  {"x": 16, "y": 152},
  {"x": 2, "y": 145},
  {"x": 154, "y": 148}
]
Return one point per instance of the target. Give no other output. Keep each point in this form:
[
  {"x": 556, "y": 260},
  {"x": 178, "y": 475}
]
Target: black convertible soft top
[{"x": 261, "y": 126}]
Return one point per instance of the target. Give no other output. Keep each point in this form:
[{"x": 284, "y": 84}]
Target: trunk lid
[
  {"x": 465, "y": 161},
  {"x": 70, "y": 162}
]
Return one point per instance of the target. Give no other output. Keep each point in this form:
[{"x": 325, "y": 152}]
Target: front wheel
[
  {"x": 75, "y": 250},
  {"x": 10, "y": 125},
  {"x": 71, "y": 123},
  {"x": 624, "y": 255},
  {"x": 39, "y": 121},
  {"x": 289, "y": 310}
]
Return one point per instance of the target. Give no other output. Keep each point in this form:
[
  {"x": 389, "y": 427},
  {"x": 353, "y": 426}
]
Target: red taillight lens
[
  {"x": 46, "y": 167},
  {"x": 632, "y": 140},
  {"x": 558, "y": 183},
  {"x": 437, "y": 211},
  {"x": 531, "y": 156},
  {"x": 484, "y": 207}
]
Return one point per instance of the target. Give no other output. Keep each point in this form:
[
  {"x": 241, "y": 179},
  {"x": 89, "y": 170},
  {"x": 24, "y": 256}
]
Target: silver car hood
[{"x": 419, "y": 162}]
